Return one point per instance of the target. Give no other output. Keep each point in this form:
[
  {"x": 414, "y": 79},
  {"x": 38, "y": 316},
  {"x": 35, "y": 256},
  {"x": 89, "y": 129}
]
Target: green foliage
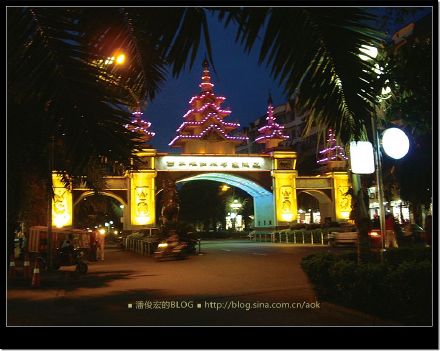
[
  {"x": 317, "y": 268},
  {"x": 399, "y": 290},
  {"x": 409, "y": 291},
  {"x": 323, "y": 70},
  {"x": 416, "y": 254},
  {"x": 408, "y": 71},
  {"x": 297, "y": 226},
  {"x": 311, "y": 226}
]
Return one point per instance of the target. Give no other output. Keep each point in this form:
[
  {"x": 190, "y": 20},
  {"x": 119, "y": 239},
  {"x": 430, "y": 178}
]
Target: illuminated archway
[
  {"x": 105, "y": 193},
  {"x": 119, "y": 199},
  {"x": 263, "y": 199},
  {"x": 326, "y": 207}
]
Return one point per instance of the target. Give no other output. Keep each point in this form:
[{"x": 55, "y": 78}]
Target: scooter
[
  {"x": 73, "y": 257},
  {"x": 166, "y": 250}
]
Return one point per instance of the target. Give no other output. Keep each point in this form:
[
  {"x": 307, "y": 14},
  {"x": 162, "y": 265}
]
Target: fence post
[
  {"x": 311, "y": 233},
  {"x": 294, "y": 236},
  {"x": 304, "y": 234},
  {"x": 322, "y": 237}
]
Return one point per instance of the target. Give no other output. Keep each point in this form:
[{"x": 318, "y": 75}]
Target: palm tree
[
  {"x": 58, "y": 88},
  {"x": 66, "y": 107}
]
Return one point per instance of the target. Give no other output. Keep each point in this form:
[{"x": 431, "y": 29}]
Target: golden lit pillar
[
  {"x": 62, "y": 208},
  {"x": 142, "y": 191},
  {"x": 284, "y": 187},
  {"x": 342, "y": 200}
]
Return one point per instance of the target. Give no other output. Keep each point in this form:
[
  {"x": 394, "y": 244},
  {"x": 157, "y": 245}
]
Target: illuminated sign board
[
  {"x": 361, "y": 157},
  {"x": 213, "y": 163}
]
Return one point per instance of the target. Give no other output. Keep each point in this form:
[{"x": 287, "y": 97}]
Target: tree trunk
[
  {"x": 361, "y": 217},
  {"x": 416, "y": 209}
]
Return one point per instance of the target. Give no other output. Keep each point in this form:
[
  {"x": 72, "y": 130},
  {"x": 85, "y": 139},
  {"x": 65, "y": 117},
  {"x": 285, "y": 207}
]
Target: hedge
[{"x": 399, "y": 289}]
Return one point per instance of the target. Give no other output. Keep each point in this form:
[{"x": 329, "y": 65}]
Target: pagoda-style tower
[
  {"x": 204, "y": 130},
  {"x": 272, "y": 132},
  {"x": 333, "y": 155},
  {"x": 139, "y": 127}
]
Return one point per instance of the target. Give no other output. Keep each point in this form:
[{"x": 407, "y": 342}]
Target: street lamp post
[
  {"x": 379, "y": 184},
  {"x": 371, "y": 53},
  {"x": 49, "y": 203},
  {"x": 235, "y": 207}
]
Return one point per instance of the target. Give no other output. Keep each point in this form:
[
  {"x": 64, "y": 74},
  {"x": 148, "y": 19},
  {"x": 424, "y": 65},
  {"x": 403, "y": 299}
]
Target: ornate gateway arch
[
  {"x": 208, "y": 144},
  {"x": 271, "y": 179}
]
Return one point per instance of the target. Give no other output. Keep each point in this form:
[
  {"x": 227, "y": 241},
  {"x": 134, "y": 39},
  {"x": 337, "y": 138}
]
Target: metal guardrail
[
  {"x": 140, "y": 246},
  {"x": 314, "y": 237}
]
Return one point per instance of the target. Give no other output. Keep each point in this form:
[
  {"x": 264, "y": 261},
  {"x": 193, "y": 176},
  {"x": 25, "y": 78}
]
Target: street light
[
  {"x": 371, "y": 53},
  {"x": 235, "y": 207},
  {"x": 395, "y": 143}
]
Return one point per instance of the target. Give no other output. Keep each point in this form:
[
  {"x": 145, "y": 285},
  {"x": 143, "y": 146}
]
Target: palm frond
[
  {"x": 316, "y": 50},
  {"x": 50, "y": 69}
]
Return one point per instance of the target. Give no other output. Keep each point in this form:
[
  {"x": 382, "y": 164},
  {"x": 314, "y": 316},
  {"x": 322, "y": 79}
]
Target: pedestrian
[
  {"x": 428, "y": 230},
  {"x": 390, "y": 234},
  {"x": 101, "y": 246},
  {"x": 94, "y": 245},
  {"x": 375, "y": 222}
]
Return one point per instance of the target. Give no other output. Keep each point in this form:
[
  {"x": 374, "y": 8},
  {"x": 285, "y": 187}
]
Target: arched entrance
[
  {"x": 325, "y": 204},
  {"x": 263, "y": 199},
  {"x": 103, "y": 209}
]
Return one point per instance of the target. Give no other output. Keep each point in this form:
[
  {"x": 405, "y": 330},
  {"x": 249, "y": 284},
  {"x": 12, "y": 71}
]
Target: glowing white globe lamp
[{"x": 395, "y": 143}]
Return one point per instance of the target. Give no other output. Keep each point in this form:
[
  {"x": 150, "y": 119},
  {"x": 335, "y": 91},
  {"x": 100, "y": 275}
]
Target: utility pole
[{"x": 379, "y": 184}]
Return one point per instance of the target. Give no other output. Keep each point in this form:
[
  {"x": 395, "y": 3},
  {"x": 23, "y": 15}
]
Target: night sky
[{"x": 238, "y": 77}]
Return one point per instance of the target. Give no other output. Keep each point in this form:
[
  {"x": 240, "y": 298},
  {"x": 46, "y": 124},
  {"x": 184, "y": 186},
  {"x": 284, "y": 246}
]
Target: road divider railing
[
  {"x": 143, "y": 246},
  {"x": 310, "y": 237}
]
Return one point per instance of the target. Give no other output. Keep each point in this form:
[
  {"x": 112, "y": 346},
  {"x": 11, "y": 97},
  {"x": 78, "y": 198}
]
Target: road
[{"x": 232, "y": 283}]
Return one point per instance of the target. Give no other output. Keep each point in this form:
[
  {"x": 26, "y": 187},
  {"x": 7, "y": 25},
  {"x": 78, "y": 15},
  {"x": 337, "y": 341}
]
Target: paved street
[{"x": 232, "y": 283}]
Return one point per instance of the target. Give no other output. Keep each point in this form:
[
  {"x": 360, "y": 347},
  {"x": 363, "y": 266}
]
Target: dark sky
[{"x": 239, "y": 78}]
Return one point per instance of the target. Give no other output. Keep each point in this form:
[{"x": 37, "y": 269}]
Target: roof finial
[
  {"x": 205, "y": 63},
  {"x": 269, "y": 102},
  {"x": 206, "y": 84}
]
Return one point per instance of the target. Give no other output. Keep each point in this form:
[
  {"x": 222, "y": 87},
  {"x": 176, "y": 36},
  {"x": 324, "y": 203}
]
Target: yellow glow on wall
[
  {"x": 142, "y": 198},
  {"x": 287, "y": 217},
  {"x": 61, "y": 203},
  {"x": 284, "y": 185},
  {"x": 341, "y": 185},
  {"x": 285, "y": 196}
]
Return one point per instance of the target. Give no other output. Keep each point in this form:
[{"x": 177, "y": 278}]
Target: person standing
[
  {"x": 390, "y": 234},
  {"x": 94, "y": 245},
  {"x": 428, "y": 230},
  {"x": 101, "y": 245}
]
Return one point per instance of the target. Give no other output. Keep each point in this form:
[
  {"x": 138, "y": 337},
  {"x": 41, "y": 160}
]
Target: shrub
[
  {"x": 344, "y": 276},
  {"x": 369, "y": 289},
  {"x": 417, "y": 254},
  {"x": 317, "y": 268},
  {"x": 409, "y": 292},
  {"x": 297, "y": 226},
  {"x": 396, "y": 291}
]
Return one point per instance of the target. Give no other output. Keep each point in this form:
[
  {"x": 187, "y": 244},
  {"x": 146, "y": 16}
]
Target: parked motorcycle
[{"x": 70, "y": 257}]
